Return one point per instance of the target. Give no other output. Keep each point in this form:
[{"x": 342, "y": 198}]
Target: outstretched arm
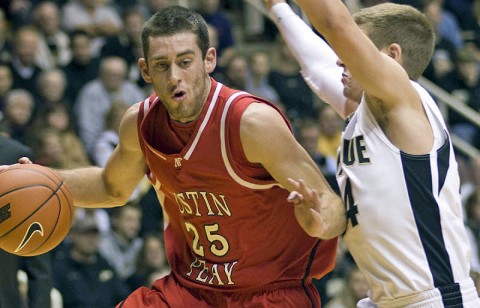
[
  {"x": 389, "y": 93},
  {"x": 380, "y": 76},
  {"x": 316, "y": 58},
  {"x": 285, "y": 158}
]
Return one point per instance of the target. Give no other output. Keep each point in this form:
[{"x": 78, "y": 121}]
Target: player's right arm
[
  {"x": 317, "y": 60},
  {"x": 111, "y": 186},
  {"x": 389, "y": 93}
]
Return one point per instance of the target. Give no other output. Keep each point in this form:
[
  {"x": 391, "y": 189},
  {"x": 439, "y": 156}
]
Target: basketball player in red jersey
[{"x": 220, "y": 161}]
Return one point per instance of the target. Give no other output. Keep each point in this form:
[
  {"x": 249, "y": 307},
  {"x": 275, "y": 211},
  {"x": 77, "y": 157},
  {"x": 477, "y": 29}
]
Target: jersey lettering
[
  {"x": 351, "y": 207},
  {"x": 202, "y": 203},
  {"x": 355, "y": 150},
  {"x": 212, "y": 274},
  {"x": 5, "y": 212}
]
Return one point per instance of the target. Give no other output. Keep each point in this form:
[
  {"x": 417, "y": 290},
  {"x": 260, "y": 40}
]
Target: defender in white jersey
[{"x": 397, "y": 170}]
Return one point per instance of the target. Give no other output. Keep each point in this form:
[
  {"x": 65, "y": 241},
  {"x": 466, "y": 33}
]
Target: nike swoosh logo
[{"x": 32, "y": 229}]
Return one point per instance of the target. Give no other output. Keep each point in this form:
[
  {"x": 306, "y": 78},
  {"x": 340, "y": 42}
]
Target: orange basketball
[{"x": 36, "y": 209}]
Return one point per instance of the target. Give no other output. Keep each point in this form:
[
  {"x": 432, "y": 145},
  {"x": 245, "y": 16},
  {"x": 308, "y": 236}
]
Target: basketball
[{"x": 36, "y": 210}]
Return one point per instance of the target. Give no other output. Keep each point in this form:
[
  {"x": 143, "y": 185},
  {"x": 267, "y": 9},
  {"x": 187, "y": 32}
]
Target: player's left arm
[
  {"x": 390, "y": 96},
  {"x": 379, "y": 74},
  {"x": 267, "y": 140}
]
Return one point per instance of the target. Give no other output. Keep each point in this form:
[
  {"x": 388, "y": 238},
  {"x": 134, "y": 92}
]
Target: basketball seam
[
  {"x": 36, "y": 210},
  {"x": 24, "y": 187}
]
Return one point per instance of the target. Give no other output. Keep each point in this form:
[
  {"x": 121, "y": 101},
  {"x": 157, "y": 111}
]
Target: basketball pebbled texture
[{"x": 36, "y": 210}]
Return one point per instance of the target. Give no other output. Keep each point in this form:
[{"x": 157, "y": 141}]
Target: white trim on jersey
[
  {"x": 205, "y": 121},
  {"x": 226, "y": 161},
  {"x": 146, "y": 106}
]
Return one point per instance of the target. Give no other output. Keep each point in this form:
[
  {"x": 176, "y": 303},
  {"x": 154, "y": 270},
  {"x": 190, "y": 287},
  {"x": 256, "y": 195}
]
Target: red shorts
[{"x": 167, "y": 292}]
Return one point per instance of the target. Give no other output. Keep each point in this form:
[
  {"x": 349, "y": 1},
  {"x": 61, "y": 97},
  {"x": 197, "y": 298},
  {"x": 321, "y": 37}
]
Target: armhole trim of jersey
[{"x": 223, "y": 147}]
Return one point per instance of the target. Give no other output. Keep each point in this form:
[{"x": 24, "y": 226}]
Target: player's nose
[{"x": 340, "y": 63}]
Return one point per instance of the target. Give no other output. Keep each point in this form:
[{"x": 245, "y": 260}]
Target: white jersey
[{"x": 405, "y": 225}]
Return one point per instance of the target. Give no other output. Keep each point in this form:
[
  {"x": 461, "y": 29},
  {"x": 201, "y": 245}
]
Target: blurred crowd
[{"x": 68, "y": 71}]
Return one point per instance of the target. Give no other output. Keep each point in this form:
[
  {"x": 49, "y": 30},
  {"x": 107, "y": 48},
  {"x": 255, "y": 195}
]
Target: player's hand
[
  {"x": 22, "y": 160},
  {"x": 307, "y": 207},
  {"x": 270, "y": 3}
]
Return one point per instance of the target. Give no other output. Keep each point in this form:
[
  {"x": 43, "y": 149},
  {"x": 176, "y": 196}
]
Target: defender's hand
[{"x": 307, "y": 207}]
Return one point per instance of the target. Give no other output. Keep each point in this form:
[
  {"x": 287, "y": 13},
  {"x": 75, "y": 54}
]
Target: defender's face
[
  {"x": 351, "y": 88},
  {"x": 179, "y": 74}
]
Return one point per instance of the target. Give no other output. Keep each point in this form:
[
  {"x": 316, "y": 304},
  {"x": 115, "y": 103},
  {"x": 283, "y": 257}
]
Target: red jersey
[{"x": 228, "y": 225}]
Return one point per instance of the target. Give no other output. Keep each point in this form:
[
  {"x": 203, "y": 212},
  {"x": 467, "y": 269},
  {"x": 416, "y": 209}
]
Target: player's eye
[
  {"x": 185, "y": 63},
  {"x": 162, "y": 66}
]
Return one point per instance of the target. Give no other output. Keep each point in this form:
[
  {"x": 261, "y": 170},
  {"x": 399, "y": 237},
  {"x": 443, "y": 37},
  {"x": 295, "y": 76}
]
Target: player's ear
[
  {"x": 210, "y": 60},
  {"x": 394, "y": 51},
  {"x": 142, "y": 64}
]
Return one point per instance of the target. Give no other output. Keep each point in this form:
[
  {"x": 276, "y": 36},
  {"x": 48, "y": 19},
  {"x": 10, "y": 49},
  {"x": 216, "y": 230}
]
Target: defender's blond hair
[{"x": 389, "y": 23}]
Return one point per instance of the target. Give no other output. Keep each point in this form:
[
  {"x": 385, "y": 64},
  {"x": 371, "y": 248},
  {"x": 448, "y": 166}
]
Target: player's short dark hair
[{"x": 172, "y": 20}]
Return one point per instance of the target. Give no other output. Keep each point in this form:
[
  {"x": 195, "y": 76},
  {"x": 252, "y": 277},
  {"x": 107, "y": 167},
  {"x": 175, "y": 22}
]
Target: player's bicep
[
  {"x": 267, "y": 140},
  {"x": 126, "y": 165}
]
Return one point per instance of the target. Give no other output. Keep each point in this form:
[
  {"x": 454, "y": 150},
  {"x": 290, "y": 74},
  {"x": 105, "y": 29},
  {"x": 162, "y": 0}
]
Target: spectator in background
[
  {"x": 257, "y": 78},
  {"x": 467, "y": 90},
  {"x": 54, "y": 44},
  {"x": 83, "y": 67},
  {"x": 308, "y": 135},
  {"x": 254, "y": 24},
  {"x": 328, "y": 141},
  {"x": 151, "y": 259},
  {"x": 226, "y": 55},
  {"x": 95, "y": 17},
  {"x": 51, "y": 90},
  {"x": 56, "y": 118},
  {"x": 127, "y": 44},
  {"x": 446, "y": 23},
  {"x": 82, "y": 275},
  {"x": 121, "y": 246},
  {"x": 235, "y": 73},
  {"x": 18, "y": 112},
  {"x": 100, "y": 216},
  {"x": 17, "y": 12},
  {"x": 6, "y": 82},
  {"x": 286, "y": 79},
  {"x": 97, "y": 96},
  {"x": 5, "y": 53},
  {"x": 213, "y": 15},
  {"x": 464, "y": 10},
  {"x": 441, "y": 68},
  {"x": 108, "y": 139},
  {"x": 48, "y": 148},
  {"x": 24, "y": 52},
  {"x": 150, "y": 7}
]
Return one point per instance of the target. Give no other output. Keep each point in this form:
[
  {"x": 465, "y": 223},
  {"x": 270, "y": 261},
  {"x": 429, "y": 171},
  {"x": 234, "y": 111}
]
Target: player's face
[
  {"x": 351, "y": 88},
  {"x": 179, "y": 73}
]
